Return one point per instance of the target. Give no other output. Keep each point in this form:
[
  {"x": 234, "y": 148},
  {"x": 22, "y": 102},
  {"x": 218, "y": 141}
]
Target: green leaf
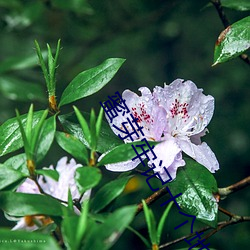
[
  {"x": 197, "y": 186},
  {"x": 233, "y": 41},
  {"x": 108, "y": 193},
  {"x": 241, "y": 5},
  {"x": 18, "y": 162},
  {"x": 69, "y": 230},
  {"x": 16, "y": 240},
  {"x": 19, "y": 90},
  {"x": 74, "y": 228},
  {"x": 8, "y": 176},
  {"x": 99, "y": 123},
  {"x": 82, "y": 223},
  {"x": 162, "y": 222},
  {"x": 151, "y": 223},
  {"x": 84, "y": 125},
  {"x": 20, "y": 204},
  {"x": 105, "y": 235},
  {"x": 10, "y": 136},
  {"x": 92, "y": 127},
  {"x": 122, "y": 153},
  {"x": 73, "y": 146},
  {"x": 90, "y": 81},
  {"x": 107, "y": 139},
  {"x": 53, "y": 174},
  {"x": 46, "y": 138},
  {"x": 87, "y": 177}
]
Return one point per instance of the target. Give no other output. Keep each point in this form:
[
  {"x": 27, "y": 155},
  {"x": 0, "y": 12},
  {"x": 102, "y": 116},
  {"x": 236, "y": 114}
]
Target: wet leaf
[
  {"x": 73, "y": 146},
  {"x": 90, "y": 81},
  {"x": 107, "y": 138},
  {"x": 233, "y": 41},
  {"x": 197, "y": 186},
  {"x": 20, "y": 204},
  {"x": 108, "y": 193},
  {"x": 10, "y": 135},
  {"x": 87, "y": 177},
  {"x": 46, "y": 137},
  {"x": 105, "y": 235},
  {"x": 9, "y": 176}
]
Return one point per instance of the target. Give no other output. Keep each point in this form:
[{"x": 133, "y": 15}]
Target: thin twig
[
  {"x": 152, "y": 198},
  {"x": 224, "y": 192},
  {"x": 226, "y": 23},
  {"x": 224, "y": 211},
  {"x": 234, "y": 220}
]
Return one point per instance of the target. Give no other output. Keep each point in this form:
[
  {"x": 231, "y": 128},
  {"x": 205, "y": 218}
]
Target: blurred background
[{"x": 161, "y": 41}]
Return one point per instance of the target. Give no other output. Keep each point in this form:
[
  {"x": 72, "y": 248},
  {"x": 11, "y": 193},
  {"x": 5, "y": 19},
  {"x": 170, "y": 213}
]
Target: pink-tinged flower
[
  {"x": 58, "y": 189},
  {"x": 177, "y": 115}
]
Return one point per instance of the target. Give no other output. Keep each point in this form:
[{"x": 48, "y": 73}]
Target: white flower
[
  {"x": 177, "y": 115},
  {"x": 58, "y": 189}
]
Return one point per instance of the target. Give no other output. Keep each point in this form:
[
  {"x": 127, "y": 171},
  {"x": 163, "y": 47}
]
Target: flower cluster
[
  {"x": 176, "y": 115},
  {"x": 58, "y": 189}
]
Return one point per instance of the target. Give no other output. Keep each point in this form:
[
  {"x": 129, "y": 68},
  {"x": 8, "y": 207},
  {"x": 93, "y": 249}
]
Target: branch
[
  {"x": 224, "y": 192},
  {"x": 234, "y": 220},
  {"x": 226, "y": 23},
  {"x": 151, "y": 199}
]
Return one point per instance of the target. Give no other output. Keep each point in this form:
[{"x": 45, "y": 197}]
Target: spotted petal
[{"x": 189, "y": 110}]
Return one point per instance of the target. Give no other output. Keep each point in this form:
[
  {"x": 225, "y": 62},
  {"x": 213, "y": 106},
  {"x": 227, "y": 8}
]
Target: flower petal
[
  {"x": 65, "y": 182},
  {"x": 123, "y": 166},
  {"x": 29, "y": 187},
  {"x": 189, "y": 110},
  {"x": 201, "y": 153},
  {"x": 170, "y": 154}
]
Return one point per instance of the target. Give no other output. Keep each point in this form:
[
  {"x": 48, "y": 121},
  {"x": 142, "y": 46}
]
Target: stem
[
  {"x": 224, "y": 192},
  {"x": 234, "y": 220},
  {"x": 151, "y": 199}
]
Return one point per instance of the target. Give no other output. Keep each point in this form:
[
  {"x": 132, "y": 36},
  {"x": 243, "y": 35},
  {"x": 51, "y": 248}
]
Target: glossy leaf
[
  {"x": 105, "y": 235},
  {"x": 18, "y": 162},
  {"x": 233, "y": 41},
  {"x": 73, "y": 146},
  {"x": 69, "y": 230},
  {"x": 241, "y": 5},
  {"x": 107, "y": 138},
  {"x": 84, "y": 125},
  {"x": 90, "y": 81},
  {"x": 87, "y": 177},
  {"x": 197, "y": 186},
  {"x": 53, "y": 174},
  {"x": 108, "y": 193},
  {"x": 19, "y": 90},
  {"x": 46, "y": 137},
  {"x": 10, "y": 136},
  {"x": 151, "y": 223},
  {"x": 162, "y": 222},
  {"x": 20, "y": 204},
  {"x": 16, "y": 240},
  {"x": 122, "y": 153},
  {"x": 9, "y": 175}
]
